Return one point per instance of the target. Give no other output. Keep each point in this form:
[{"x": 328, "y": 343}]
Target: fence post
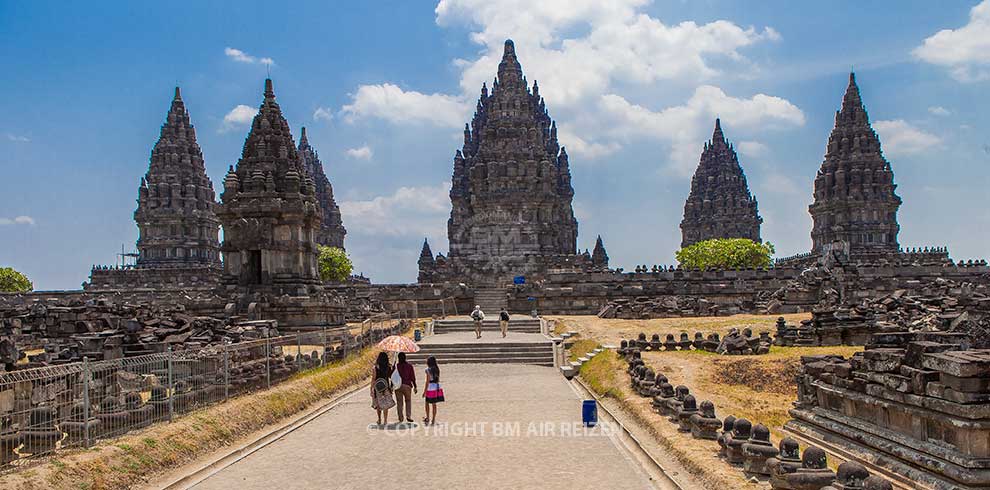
[
  {"x": 171, "y": 385},
  {"x": 443, "y": 308},
  {"x": 226, "y": 372},
  {"x": 268, "y": 359},
  {"x": 85, "y": 393},
  {"x": 323, "y": 355},
  {"x": 298, "y": 353}
]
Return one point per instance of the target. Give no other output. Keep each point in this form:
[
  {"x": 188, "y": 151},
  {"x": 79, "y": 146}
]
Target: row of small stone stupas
[
  {"x": 736, "y": 342},
  {"x": 741, "y": 444}
]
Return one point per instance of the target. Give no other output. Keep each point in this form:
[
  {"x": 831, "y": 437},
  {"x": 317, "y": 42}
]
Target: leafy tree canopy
[
  {"x": 726, "y": 253},
  {"x": 335, "y": 265},
  {"x": 12, "y": 281}
]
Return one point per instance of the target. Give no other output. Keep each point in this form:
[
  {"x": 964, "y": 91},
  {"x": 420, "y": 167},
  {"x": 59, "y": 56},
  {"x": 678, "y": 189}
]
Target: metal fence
[{"x": 51, "y": 408}]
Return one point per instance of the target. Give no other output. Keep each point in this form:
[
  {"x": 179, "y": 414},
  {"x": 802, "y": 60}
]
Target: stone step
[
  {"x": 495, "y": 360},
  {"x": 500, "y": 350},
  {"x": 487, "y": 322},
  {"x": 540, "y": 356}
]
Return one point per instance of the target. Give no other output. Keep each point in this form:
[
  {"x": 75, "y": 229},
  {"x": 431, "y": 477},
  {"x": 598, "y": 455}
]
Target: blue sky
[{"x": 384, "y": 89}]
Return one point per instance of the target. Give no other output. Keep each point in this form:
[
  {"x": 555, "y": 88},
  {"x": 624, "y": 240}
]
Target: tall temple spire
[
  {"x": 269, "y": 210},
  {"x": 855, "y": 205},
  {"x": 176, "y": 213},
  {"x": 511, "y": 193},
  {"x": 599, "y": 258},
  {"x": 509, "y": 70},
  {"x": 332, "y": 230},
  {"x": 720, "y": 204}
]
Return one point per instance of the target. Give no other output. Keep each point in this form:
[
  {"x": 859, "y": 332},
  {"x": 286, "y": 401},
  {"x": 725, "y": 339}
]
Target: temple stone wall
[
  {"x": 735, "y": 291},
  {"x": 123, "y": 279}
]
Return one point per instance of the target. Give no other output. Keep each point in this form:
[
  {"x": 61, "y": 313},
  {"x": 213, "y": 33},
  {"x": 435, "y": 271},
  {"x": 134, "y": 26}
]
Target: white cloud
[
  {"x": 391, "y": 103},
  {"x": 900, "y": 138},
  {"x": 412, "y": 212},
  {"x": 589, "y": 56},
  {"x": 778, "y": 183},
  {"x": 939, "y": 111},
  {"x": 18, "y": 220},
  {"x": 685, "y": 127},
  {"x": 966, "y": 50},
  {"x": 620, "y": 44},
  {"x": 242, "y": 57},
  {"x": 238, "y": 117},
  {"x": 323, "y": 114},
  {"x": 579, "y": 147},
  {"x": 18, "y": 138},
  {"x": 362, "y": 153},
  {"x": 752, "y": 148}
]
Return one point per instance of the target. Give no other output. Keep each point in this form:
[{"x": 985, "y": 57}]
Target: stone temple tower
[
  {"x": 855, "y": 205},
  {"x": 176, "y": 213},
  {"x": 269, "y": 212},
  {"x": 511, "y": 188},
  {"x": 331, "y": 228},
  {"x": 720, "y": 204}
]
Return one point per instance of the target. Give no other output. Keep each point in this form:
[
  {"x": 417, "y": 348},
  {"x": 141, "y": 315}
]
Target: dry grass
[
  {"x": 611, "y": 331},
  {"x": 134, "y": 458},
  {"x": 758, "y": 388}
]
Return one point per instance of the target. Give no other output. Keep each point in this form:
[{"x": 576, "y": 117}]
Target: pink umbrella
[{"x": 398, "y": 343}]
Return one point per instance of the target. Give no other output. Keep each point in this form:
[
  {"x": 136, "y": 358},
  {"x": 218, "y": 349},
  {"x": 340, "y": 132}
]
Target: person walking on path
[
  {"x": 434, "y": 391},
  {"x": 503, "y": 322},
  {"x": 478, "y": 316},
  {"x": 403, "y": 395},
  {"x": 381, "y": 388}
]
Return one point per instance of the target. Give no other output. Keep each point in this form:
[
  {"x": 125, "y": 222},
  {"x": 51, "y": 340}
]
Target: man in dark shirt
[
  {"x": 403, "y": 394},
  {"x": 503, "y": 321}
]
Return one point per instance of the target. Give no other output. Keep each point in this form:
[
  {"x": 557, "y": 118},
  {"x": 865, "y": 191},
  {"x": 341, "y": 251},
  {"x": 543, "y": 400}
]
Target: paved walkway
[{"x": 341, "y": 450}]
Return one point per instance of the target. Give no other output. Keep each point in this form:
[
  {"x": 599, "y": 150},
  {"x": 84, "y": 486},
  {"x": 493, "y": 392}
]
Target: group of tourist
[
  {"x": 479, "y": 317},
  {"x": 395, "y": 385}
]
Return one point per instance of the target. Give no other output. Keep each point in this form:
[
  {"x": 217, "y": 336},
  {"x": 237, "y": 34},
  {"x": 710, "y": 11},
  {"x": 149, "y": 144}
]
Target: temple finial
[
  {"x": 302, "y": 139},
  {"x": 269, "y": 88},
  {"x": 178, "y": 96}
]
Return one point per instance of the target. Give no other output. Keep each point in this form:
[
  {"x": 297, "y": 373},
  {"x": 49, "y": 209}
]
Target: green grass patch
[
  {"x": 601, "y": 374},
  {"x": 580, "y": 348}
]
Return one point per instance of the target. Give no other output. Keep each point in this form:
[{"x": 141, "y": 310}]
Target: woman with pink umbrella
[{"x": 403, "y": 376}]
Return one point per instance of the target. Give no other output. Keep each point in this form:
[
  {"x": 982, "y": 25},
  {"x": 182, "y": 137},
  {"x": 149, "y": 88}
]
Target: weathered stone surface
[
  {"x": 720, "y": 204},
  {"x": 269, "y": 210},
  {"x": 332, "y": 230},
  {"x": 855, "y": 208},
  {"x": 511, "y": 189}
]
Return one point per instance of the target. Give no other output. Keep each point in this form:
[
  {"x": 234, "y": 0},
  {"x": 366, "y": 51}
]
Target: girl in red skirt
[{"x": 433, "y": 392}]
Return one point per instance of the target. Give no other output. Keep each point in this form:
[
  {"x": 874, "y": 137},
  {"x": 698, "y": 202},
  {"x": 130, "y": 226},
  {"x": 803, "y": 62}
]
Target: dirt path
[{"x": 472, "y": 448}]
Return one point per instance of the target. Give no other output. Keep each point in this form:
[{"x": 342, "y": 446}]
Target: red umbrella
[{"x": 398, "y": 343}]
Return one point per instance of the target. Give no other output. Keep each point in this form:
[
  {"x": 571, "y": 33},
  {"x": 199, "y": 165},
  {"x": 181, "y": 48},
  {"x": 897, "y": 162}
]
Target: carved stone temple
[
  {"x": 720, "y": 204},
  {"x": 176, "y": 215},
  {"x": 855, "y": 207},
  {"x": 511, "y": 189},
  {"x": 331, "y": 227},
  {"x": 270, "y": 215}
]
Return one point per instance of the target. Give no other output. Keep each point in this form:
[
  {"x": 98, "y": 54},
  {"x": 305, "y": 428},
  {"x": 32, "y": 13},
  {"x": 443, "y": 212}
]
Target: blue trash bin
[
  {"x": 417, "y": 335},
  {"x": 589, "y": 413}
]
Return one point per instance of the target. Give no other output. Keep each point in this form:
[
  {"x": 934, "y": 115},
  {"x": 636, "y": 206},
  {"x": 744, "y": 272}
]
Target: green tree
[
  {"x": 335, "y": 265},
  {"x": 726, "y": 253},
  {"x": 12, "y": 281}
]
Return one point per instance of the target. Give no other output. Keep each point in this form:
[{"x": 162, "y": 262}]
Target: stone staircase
[
  {"x": 519, "y": 325},
  {"x": 491, "y": 300},
  {"x": 538, "y": 353}
]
